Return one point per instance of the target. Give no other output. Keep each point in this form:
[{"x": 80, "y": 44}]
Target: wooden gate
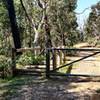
[{"x": 55, "y": 67}]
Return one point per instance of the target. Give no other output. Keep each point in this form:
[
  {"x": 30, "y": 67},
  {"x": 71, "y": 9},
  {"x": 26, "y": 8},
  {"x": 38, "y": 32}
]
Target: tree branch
[
  {"x": 31, "y": 21},
  {"x": 41, "y": 4},
  {"x": 82, "y": 11},
  {"x": 36, "y": 30},
  {"x": 29, "y": 18},
  {"x": 42, "y": 21}
]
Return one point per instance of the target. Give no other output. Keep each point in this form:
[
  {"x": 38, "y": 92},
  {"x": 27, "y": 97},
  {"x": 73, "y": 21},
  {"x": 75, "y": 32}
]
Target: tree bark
[
  {"x": 36, "y": 30},
  {"x": 47, "y": 35},
  {"x": 13, "y": 22}
]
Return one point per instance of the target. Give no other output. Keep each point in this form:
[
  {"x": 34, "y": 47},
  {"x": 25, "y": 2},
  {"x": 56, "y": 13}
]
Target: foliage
[
  {"x": 92, "y": 28},
  {"x": 5, "y": 30},
  {"x": 4, "y": 62},
  {"x": 25, "y": 59},
  {"x": 38, "y": 60},
  {"x": 28, "y": 58},
  {"x": 4, "y": 18},
  {"x": 61, "y": 19},
  {"x": 5, "y": 65},
  {"x": 63, "y": 23}
]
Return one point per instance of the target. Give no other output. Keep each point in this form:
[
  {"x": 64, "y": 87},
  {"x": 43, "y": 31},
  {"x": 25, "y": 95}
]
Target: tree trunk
[
  {"x": 13, "y": 22},
  {"x": 48, "y": 36},
  {"x": 63, "y": 40}
]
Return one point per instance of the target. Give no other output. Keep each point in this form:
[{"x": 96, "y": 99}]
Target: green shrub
[
  {"x": 28, "y": 58},
  {"x": 2, "y": 51},
  {"x": 38, "y": 60},
  {"x": 25, "y": 59},
  {"x": 3, "y": 62},
  {"x": 5, "y": 66}
]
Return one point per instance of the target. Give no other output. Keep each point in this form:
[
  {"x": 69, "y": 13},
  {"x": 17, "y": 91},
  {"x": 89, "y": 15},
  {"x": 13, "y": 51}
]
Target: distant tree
[
  {"x": 92, "y": 27},
  {"x": 63, "y": 22}
]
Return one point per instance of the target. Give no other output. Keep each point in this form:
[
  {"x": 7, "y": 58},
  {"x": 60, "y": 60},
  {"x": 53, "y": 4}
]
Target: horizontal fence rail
[
  {"x": 27, "y": 49},
  {"x": 75, "y": 49}
]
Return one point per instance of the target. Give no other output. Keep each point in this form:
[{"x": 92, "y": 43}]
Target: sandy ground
[
  {"x": 56, "y": 88},
  {"x": 39, "y": 88}
]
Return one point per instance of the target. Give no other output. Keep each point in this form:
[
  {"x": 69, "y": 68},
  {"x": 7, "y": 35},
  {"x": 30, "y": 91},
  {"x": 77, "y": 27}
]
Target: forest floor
[
  {"x": 56, "y": 88},
  {"x": 40, "y": 88}
]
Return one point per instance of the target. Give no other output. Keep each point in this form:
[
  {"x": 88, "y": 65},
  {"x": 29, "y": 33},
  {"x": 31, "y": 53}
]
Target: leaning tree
[{"x": 13, "y": 22}]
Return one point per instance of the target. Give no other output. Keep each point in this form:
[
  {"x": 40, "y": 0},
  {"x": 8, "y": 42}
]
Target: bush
[
  {"x": 28, "y": 58},
  {"x": 2, "y": 51},
  {"x": 5, "y": 66},
  {"x": 38, "y": 60},
  {"x": 25, "y": 59}
]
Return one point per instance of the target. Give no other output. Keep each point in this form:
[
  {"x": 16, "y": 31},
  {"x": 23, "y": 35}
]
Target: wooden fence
[
  {"x": 52, "y": 55},
  {"x": 36, "y": 51}
]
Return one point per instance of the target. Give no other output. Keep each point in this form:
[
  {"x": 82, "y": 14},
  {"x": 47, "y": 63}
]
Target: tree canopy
[
  {"x": 92, "y": 27},
  {"x": 30, "y": 19}
]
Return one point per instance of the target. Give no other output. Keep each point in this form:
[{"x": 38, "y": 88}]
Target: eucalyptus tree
[
  {"x": 61, "y": 20},
  {"x": 92, "y": 27},
  {"x": 36, "y": 18},
  {"x": 63, "y": 23}
]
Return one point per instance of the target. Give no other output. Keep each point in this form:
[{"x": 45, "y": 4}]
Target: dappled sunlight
[
  {"x": 38, "y": 87},
  {"x": 48, "y": 51}
]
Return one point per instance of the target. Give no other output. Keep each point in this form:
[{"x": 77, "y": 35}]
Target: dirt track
[
  {"x": 39, "y": 88},
  {"x": 57, "y": 88}
]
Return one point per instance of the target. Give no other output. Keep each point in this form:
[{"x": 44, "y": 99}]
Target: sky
[{"x": 81, "y": 5}]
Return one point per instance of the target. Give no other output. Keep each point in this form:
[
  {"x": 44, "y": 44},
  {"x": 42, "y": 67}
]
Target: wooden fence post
[
  {"x": 54, "y": 59},
  {"x": 61, "y": 57},
  {"x": 64, "y": 59},
  {"x": 47, "y": 63},
  {"x": 13, "y": 61}
]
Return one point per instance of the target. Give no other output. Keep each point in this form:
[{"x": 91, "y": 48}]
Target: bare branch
[
  {"x": 82, "y": 11},
  {"x": 36, "y": 30},
  {"x": 32, "y": 22},
  {"x": 42, "y": 21},
  {"x": 27, "y": 15},
  {"x": 41, "y": 4}
]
